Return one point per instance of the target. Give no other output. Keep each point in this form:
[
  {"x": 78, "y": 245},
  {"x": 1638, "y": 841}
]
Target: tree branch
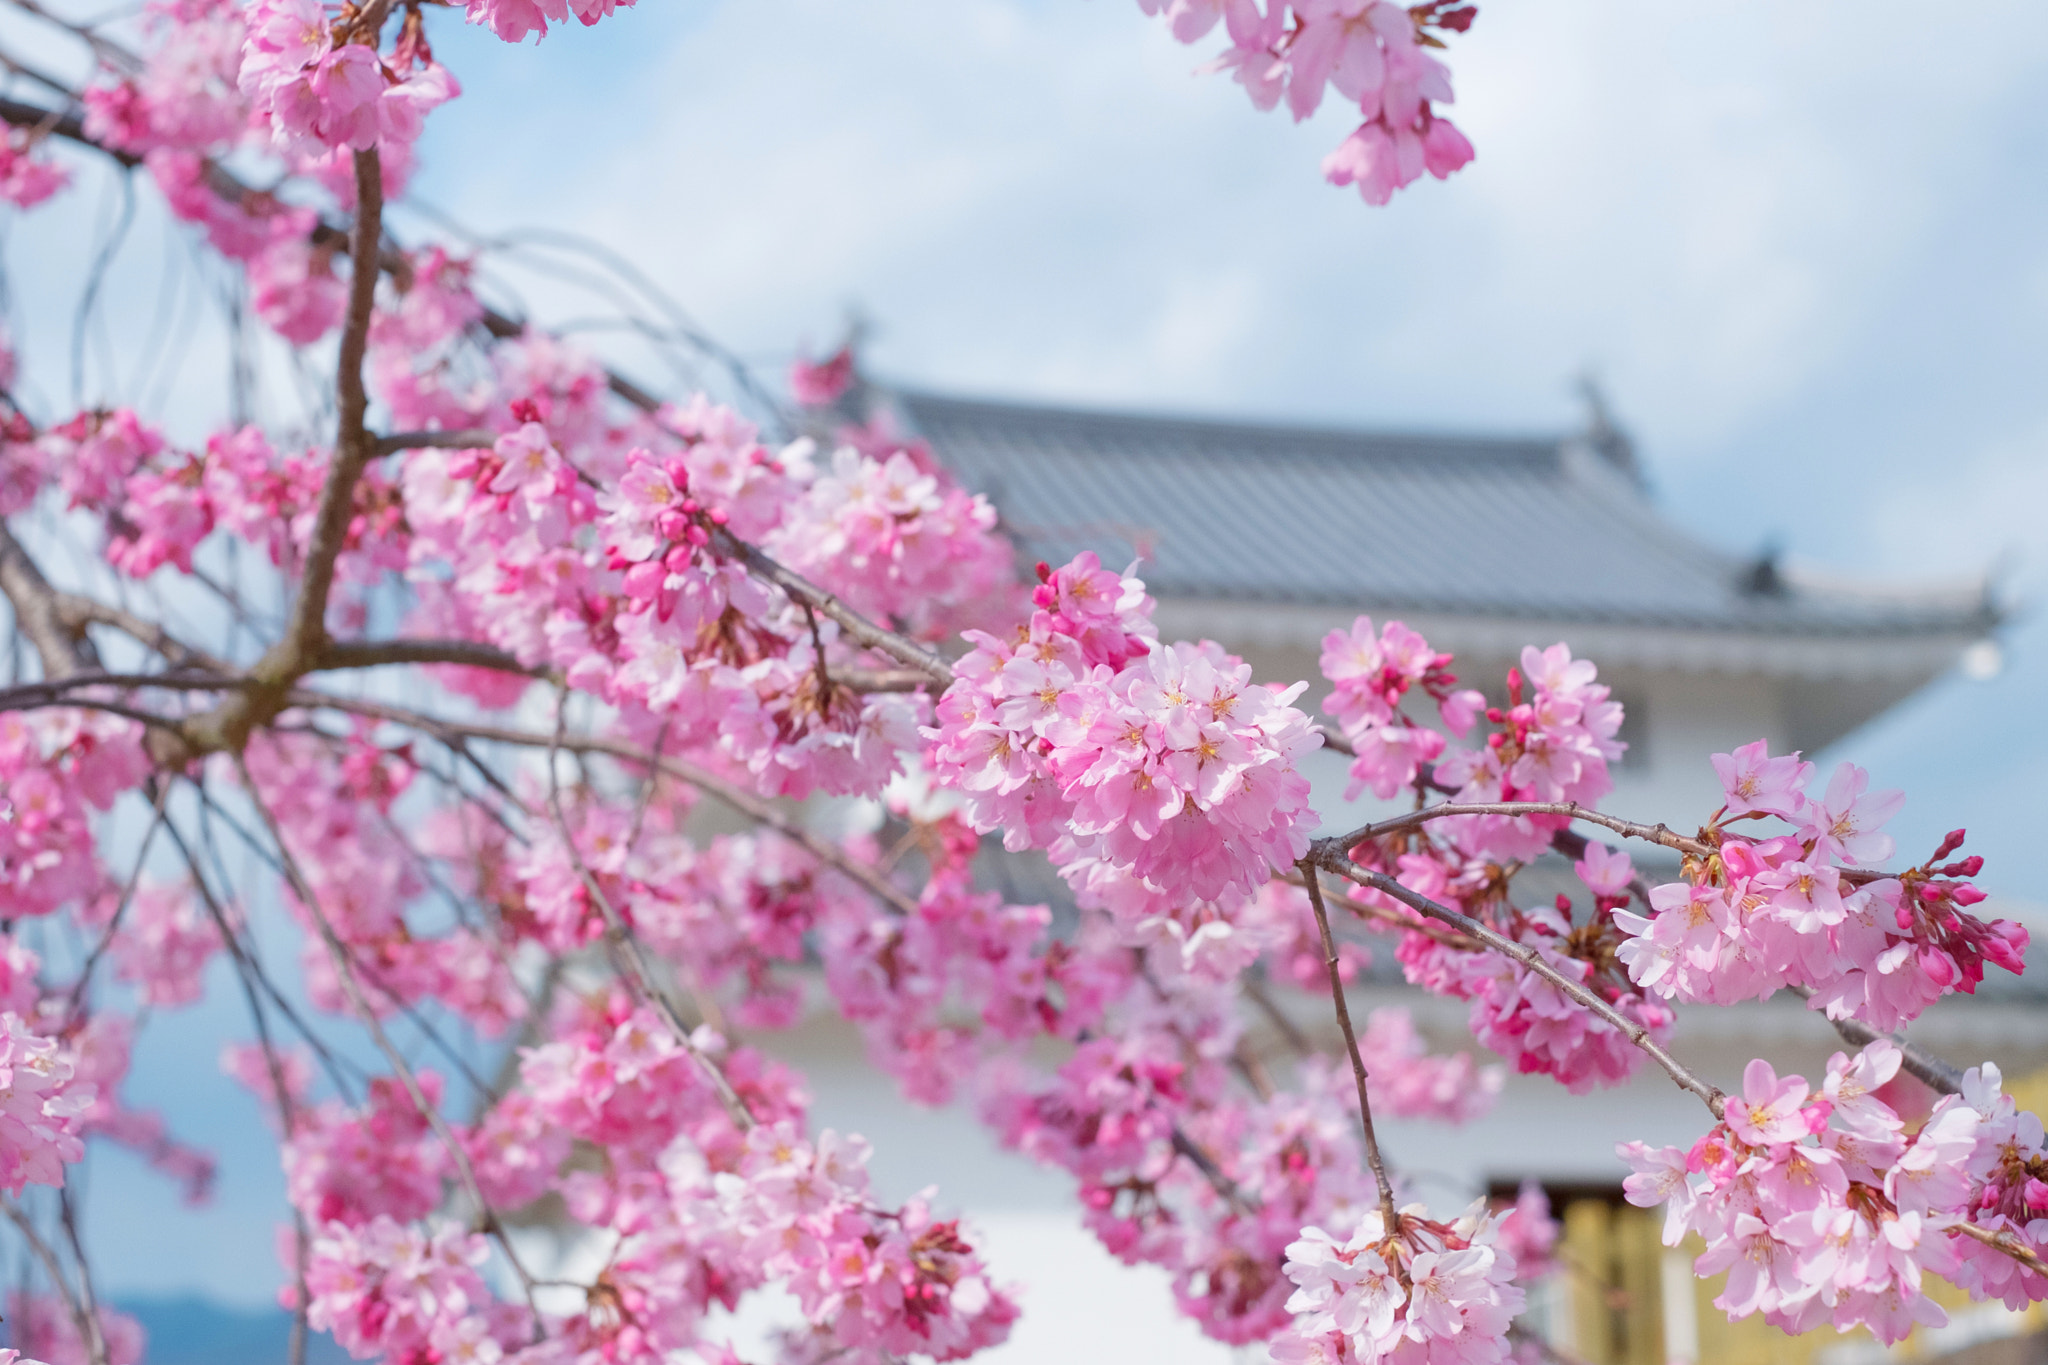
[
  {"x": 857, "y": 627},
  {"x": 346, "y": 654},
  {"x": 626, "y": 946},
  {"x": 1943, "y": 1077},
  {"x": 1656, "y": 834},
  {"x": 1391, "y": 1219},
  {"x": 305, "y": 631},
  {"x": 1329, "y": 854},
  {"x": 63, "y": 649},
  {"x": 473, "y": 439},
  {"x": 747, "y": 804},
  {"x": 88, "y": 1326}
]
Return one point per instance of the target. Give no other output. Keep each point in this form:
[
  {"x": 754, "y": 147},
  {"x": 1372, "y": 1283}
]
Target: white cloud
[{"x": 1040, "y": 197}]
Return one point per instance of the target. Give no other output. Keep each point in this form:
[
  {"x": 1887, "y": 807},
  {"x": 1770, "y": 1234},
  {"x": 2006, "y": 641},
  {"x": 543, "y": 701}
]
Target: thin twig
[
  {"x": 1392, "y": 1224},
  {"x": 88, "y": 1326},
  {"x": 92, "y": 959},
  {"x": 1655, "y": 834},
  {"x": 1329, "y": 855},
  {"x": 747, "y": 804},
  {"x": 806, "y": 593},
  {"x": 1942, "y": 1077},
  {"x": 344, "y": 971},
  {"x": 627, "y": 946},
  {"x": 67, "y": 1218}
]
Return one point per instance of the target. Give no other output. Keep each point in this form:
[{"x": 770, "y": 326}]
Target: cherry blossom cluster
[
  {"x": 318, "y": 88},
  {"x": 1424, "y": 1292},
  {"x": 1551, "y": 743},
  {"x": 40, "y": 1108},
  {"x": 1827, "y": 1207},
  {"x": 1804, "y": 909},
  {"x": 1163, "y": 765},
  {"x": 1372, "y": 674},
  {"x": 56, "y": 770},
  {"x": 45, "y": 1330},
  {"x": 1373, "y": 53},
  {"x": 27, "y": 177},
  {"x": 660, "y": 622},
  {"x": 386, "y": 1287},
  {"x": 876, "y": 1282},
  {"x": 278, "y": 80}
]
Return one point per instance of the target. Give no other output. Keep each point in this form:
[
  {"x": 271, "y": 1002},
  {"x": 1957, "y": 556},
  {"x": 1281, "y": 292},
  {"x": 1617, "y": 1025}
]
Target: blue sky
[{"x": 1801, "y": 245}]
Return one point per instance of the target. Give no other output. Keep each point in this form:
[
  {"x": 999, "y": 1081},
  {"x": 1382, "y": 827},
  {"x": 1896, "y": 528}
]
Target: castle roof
[{"x": 1548, "y": 528}]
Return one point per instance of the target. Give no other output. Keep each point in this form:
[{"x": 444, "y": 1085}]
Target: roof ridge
[{"x": 1543, "y": 444}]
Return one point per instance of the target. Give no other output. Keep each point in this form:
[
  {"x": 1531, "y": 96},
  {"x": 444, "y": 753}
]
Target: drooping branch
[
  {"x": 1330, "y": 855},
  {"x": 470, "y": 439},
  {"x": 337, "y": 655},
  {"x": 287, "y": 1104},
  {"x": 1312, "y": 879},
  {"x": 1655, "y": 834},
  {"x": 344, "y": 971},
  {"x": 625, "y": 944},
  {"x": 63, "y": 691},
  {"x": 62, "y": 647},
  {"x": 1943, "y": 1077},
  {"x": 231, "y": 189},
  {"x": 87, "y": 1324},
  {"x": 78, "y": 611},
  {"x": 858, "y": 628},
  {"x": 744, "y": 802},
  {"x": 88, "y": 1298}
]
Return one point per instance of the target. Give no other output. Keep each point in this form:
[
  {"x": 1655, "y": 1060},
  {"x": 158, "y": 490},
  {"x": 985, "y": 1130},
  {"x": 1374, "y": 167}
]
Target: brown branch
[
  {"x": 882, "y": 679},
  {"x": 1943, "y": 1077},
  {"x": 232, "y": 190},
  {"x": 78, "y": 612},
  {"x": 346, "y": 654},
  {"x": 857, "y": 627},
  {"x": 1391, "y": 1220},
  {"x": 1327, "y": 854},
  {"x": 474, "y": 439},
  {"x": 59, "y": 691},
  {"x": 2005, "y": 1242},
  {"x": 1392, "y": 919},
  {"x": 63, "y": 648},
  {"x": 354, "y": 447},
  {"x": 305, "y": 631},
  {"x": 67, "y": 1218},
  {"x": 1655, "y": 834},
  {"x": 1255, "y": 991},
  {"x": 1198, "y": 1157},
  {"x": 76, "y": 1001},
  {"x": 287, "y": 1107}
]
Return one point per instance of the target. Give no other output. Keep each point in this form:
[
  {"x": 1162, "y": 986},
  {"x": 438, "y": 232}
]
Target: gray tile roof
[{"x": 1472, "y": 525}]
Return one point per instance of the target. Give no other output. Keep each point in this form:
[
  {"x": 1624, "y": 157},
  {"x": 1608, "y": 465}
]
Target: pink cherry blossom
[{"x": 1758, "y": 784}]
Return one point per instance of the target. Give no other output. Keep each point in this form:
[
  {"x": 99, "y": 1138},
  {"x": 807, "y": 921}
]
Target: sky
[{"x": 1801, "y": 247}]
